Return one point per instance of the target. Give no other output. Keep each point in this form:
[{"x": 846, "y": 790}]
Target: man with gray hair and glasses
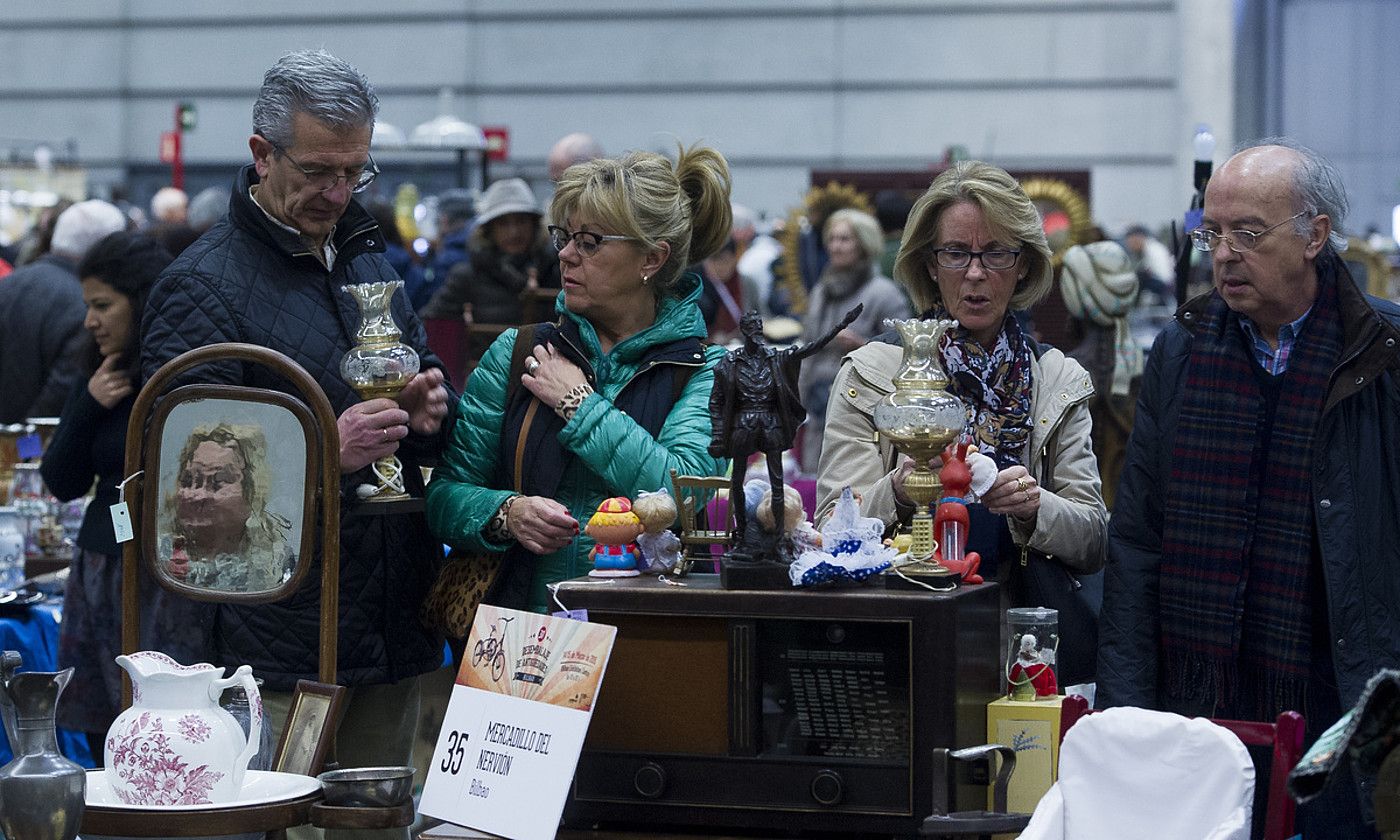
[
  {"x": 1254, "y": 549},
  {"x": 270, "y": 273}
]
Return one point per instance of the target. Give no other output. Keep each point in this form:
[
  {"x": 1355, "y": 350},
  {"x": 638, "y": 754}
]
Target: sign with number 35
[{"x": 515, "y": 724}]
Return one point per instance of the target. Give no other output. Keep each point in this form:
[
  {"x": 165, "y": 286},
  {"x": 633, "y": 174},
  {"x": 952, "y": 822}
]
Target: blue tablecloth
[{"x": 34, "y": 633}]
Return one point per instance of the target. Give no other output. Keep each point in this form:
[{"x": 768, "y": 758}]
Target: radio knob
[
  {"x": 650, "y": 780},
  {"x": 828, "y": 788}
]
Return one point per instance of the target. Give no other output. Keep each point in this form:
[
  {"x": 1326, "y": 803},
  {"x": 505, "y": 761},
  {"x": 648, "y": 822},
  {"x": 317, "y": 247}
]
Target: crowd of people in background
[{"x": 491, "y": 267}]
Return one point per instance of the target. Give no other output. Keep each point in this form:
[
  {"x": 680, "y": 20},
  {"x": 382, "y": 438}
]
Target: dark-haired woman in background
[{"x": 90, "y": 443}]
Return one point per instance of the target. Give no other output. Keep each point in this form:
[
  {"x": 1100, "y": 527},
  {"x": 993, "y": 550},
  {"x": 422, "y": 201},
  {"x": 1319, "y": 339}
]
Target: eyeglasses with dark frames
[
  {"x": 586, "y": 242},
  {"x": 1239, "y": 241},
  {"x": 994, "y": 259},
  {"x": 325, "y": 179}
]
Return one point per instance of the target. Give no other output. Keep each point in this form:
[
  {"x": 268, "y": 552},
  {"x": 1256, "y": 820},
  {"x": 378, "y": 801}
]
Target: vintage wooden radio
[{"x": 781, "y": 710}]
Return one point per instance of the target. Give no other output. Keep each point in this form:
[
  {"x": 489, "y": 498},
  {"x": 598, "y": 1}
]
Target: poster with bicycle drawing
[{"x": 516, "y": 722}]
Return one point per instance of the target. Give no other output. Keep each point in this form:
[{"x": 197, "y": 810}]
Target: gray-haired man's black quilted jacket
[{"x": 249, "y": 280}]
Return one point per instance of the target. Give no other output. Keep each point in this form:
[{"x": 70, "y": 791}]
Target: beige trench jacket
[{"x": 1072, "y": 524}]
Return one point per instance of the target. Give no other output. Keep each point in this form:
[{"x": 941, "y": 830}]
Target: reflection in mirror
[{"x": 228, "y": 521}]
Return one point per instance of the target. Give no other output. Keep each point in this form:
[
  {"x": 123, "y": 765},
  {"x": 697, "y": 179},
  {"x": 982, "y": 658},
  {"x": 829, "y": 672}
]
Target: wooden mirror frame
[
  {"x": 325, "y": 457},
  {"x": 150, "y": 528}
]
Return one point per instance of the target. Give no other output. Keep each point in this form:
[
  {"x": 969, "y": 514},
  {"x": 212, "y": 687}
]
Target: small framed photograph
[{"x": 310, "y": 728}]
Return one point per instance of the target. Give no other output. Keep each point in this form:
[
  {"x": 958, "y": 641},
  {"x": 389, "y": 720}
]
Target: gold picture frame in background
[
  {"x": 1064, "y": 213},
  {"x": 817, "y": 206}
]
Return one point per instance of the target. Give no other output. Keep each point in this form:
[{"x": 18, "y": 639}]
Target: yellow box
[{"x": 1032, "y": 729}]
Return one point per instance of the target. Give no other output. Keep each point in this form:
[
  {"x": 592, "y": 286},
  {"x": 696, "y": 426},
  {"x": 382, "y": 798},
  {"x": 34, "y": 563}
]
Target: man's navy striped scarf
[{"x": 1237, "y": 537}]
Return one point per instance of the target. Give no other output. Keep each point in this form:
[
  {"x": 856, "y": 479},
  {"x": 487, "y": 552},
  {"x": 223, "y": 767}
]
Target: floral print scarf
[{"x": 994, "y": 385}]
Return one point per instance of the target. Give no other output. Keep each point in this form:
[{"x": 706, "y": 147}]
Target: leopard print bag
[{"x": 451, "y": 603}]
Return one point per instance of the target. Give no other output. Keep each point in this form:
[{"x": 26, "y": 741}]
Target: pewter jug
[{"x": 41, "y": 792}]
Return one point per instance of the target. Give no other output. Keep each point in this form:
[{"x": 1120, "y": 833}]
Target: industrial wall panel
[
  {"x": 564, "y": 51},
  {"x": 272, "y": 11},
  {"x": 1046, "y": 123},
  {"x": 1341, "y": 102},
  {"x": 1126, "y": 194},
  {"x": 24, "y": 12},
  {"x": 93, "y": 125},
  {"x": 795, "y": 126},
  {"x": 225, "y": 57},
  {"x": 42, "y": 62},
  {"x": 849, "y": 8},
  {"x": 1042, "y": 47}
]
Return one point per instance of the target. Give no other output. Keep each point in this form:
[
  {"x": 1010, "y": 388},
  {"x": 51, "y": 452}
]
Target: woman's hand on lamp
[
  {"x": 541, "y": 525},
  {"x": 1014, "y": 493}
]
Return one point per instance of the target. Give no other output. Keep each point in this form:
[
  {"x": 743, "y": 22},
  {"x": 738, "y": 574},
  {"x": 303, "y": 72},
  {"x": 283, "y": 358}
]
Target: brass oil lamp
[
  {"x": 920, "y": 418},
  {"x": 379, "y": 365}
]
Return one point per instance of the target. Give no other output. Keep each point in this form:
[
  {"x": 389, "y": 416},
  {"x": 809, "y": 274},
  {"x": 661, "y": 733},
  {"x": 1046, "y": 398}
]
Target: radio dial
[
  {"x": 650, "y": 780},
  {"x": 828, "y": 788}
]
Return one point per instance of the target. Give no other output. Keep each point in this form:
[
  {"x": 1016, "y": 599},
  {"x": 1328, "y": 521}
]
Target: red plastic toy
[{"x": 956, "y": 477}]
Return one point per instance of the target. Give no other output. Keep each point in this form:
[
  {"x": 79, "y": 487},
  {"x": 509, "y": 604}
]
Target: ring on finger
[
  {"x": 531, "y": 365},
  {"x": 1027, "y": 494},
  {"x": 1023, "y": 484}
]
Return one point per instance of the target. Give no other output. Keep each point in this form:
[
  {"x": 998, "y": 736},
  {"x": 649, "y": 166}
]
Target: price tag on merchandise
[
  {"x": 514, "y": 728},
  {"x": 121, "y": 522},
  {"x": 29, "y": 446},
  {"x": 121, "y": 515}
]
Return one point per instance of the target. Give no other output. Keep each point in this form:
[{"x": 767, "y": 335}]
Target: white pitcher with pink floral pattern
[{"x": 176, "y": 745}]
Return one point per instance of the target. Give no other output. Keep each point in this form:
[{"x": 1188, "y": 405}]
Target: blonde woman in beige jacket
[{"x": 974, "y": 250}]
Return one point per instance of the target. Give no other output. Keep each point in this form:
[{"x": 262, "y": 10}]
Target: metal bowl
[{"x": 376, "y": 787}]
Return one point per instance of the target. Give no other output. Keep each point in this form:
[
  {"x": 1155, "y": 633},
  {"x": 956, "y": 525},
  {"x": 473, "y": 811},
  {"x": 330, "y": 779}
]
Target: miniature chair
[
  {"x": 1284, "y": 735},
  {"x": 971, "y": 823},
  {"x": 1131, "y": 772},
  {"x": 697, "y": 539}
]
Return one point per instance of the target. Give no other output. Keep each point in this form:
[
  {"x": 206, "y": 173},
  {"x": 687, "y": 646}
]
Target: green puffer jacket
[{"x": 613, "y": 455}]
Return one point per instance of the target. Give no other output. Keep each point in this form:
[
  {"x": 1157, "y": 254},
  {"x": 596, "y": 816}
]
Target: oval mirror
[{"x": 232, "y": 488}]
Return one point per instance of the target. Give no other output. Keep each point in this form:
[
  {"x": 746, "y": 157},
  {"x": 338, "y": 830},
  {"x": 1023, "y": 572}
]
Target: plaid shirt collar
[{"x": 1274, "y": 360}]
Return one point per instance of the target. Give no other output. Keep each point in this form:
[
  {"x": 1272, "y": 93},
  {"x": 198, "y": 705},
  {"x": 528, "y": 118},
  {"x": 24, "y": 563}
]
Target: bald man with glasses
[{"x": 1254, "y": 547}]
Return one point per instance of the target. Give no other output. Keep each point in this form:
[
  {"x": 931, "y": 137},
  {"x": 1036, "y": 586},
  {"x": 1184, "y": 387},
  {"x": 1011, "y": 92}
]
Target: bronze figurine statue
[{"x": 754, "y": 407}]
